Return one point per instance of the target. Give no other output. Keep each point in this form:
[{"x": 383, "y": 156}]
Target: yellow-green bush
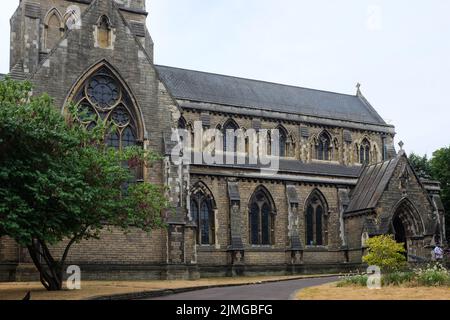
[{"x": 385, "y": 252}]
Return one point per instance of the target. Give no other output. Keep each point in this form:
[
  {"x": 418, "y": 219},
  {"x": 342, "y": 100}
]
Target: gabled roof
[
  {"x": 239, "y": 92},
  {"x": 371, "y": 185}
]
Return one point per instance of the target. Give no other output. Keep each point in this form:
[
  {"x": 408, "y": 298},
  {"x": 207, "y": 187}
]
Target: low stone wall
[{"x": 115, "y": 272}]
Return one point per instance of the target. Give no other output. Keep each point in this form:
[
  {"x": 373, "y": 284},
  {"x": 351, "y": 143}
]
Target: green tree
[
  {"x": 440, "y": 168},
  {"x": 59, "y": 183},
  {"x": 385, "y": 252},
  {"x": 421, "y": 165}
]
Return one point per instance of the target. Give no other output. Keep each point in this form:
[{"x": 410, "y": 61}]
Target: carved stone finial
[
  {"x": 358, "y": 88},
  {"x": 401, "y": 144}
]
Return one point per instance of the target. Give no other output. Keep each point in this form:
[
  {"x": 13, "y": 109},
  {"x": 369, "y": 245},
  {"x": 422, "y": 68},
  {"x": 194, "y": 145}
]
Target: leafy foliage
[
  {"x": 440, "y": 169},
  {"x": 436, "y": 168},
  {"x": 433, "y": 275},
  {"x": 397, "y": 278},
  {"x": 353, "y": 280},
  {"x": 421, "y": 165},
  {"x": 385, "y": 252},
  {"x": 59, "y": 181}
]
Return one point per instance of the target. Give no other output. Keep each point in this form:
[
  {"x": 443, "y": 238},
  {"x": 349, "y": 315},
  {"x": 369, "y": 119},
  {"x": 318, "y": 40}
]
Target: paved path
[{"x": 269, "y": 291}]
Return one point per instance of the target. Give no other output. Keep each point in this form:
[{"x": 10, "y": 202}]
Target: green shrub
[
  {"x": 397, "y": 278},
  {"x": 358, "y": 280},
  {"x": 433, "y": 275},
  {"x": 385, "y": 252}
]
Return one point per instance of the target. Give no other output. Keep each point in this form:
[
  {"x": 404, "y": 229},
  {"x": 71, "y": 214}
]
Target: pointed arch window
[
  {"x": 182, "y": 123},
  {"x": 202, "y": 214},
  {"x": 104, "y": 32},
  {"x": 261, "y": 218},
  {"x": 230, "y": 132},
  {"x": 323, "y": 147},
  {"x": 364, "y": 152},
  {"x": 316, "y": 221},
  {"x": 182, "y": 127},
  {"x": 290, "y": 147},
  {"x": 287, "y": 145},
  {"x": 283, "y": 143},
  {"x": 101, "y": 96},
  {"x": 71, "y": 20},
  {"x": 53, "y": 29},
  {"x": 269, "y": 143}
]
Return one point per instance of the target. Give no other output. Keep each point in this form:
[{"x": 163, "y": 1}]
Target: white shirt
[{"x": 439, "y": 253}]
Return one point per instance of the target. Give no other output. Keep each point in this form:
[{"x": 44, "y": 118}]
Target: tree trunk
[{"x": 51, "y": 273}]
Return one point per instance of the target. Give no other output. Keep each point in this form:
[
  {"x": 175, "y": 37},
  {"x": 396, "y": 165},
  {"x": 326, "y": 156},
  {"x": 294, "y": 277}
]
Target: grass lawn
[
  {"x": 90, "y": 289},
  {"x": 332, "y": 292}
]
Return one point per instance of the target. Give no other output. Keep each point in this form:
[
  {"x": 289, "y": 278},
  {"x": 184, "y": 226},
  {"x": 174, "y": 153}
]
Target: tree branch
[{"x": 71, "y": 243}]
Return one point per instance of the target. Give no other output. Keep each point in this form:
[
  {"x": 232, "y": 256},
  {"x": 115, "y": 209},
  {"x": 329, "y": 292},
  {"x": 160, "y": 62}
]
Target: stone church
[{"x": 339, "y": 181}]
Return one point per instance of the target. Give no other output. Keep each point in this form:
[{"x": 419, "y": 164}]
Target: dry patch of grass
[
  {"x": 90, "y": 289},
  {"x": 330, "y": 291}
]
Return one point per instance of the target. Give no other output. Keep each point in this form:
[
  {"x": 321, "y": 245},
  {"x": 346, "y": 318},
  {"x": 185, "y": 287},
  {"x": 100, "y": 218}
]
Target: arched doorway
[
  {"x": 400, "y": 232},
  {"x": 407, "y": 226}
]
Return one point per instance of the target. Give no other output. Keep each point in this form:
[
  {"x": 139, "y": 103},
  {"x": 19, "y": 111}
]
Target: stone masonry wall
[{"x": 344, "y": 152}]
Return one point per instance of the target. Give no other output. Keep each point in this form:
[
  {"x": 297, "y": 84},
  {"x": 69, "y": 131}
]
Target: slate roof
[
  {"x": 371, "y": 185},
  {"x": 239, "y": 92}
]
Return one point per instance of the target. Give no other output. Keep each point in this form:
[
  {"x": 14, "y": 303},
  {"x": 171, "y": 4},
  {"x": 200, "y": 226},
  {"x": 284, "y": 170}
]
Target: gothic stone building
[{"x": 340, "y": 179}]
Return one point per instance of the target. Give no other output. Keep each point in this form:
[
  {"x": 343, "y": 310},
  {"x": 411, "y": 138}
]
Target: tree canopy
[
  {"x": 436, "y": 168},
  {"x": 59, "y": 181},
  {"x": 440, "y": 170},
  {"x": 421, "y": 165}
]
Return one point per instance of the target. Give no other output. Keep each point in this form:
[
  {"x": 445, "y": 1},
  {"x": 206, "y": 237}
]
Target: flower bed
[{"x": 432, "y": 275}]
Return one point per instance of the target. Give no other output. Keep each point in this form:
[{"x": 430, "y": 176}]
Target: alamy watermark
[
  {"x": 74, "y": 279},
  {"x": 374, "y": 278},
  {"x": 73, "y": 17},
  {"x": 202, "y": 146}
]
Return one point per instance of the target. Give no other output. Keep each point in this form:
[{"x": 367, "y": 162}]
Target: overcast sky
[{"x": 398, "y": 50}]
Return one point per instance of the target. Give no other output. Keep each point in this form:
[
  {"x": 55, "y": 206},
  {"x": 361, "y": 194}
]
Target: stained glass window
[
  {"x": 103, "y": 91},
  {"x": 261, "y": 219},
  {"x": 364, "y": 152},
  {"x": 310, "y": 225},
  {"x": 128, "y": 138},
  {"x": 324, "y": 147},
  {"x": 121, "y": 116},
  {"x": 205, "y": 223},
  {"x": 283, "y": 142},
  {"x": 113, "y": 140},
  {"x": 202, "y": 214},
  {"x": 102, "y": 96},
  {"x": 316, "y": 223},
  {"x": 254, "y": 224},
  {"x": 229, "y": 131}
]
